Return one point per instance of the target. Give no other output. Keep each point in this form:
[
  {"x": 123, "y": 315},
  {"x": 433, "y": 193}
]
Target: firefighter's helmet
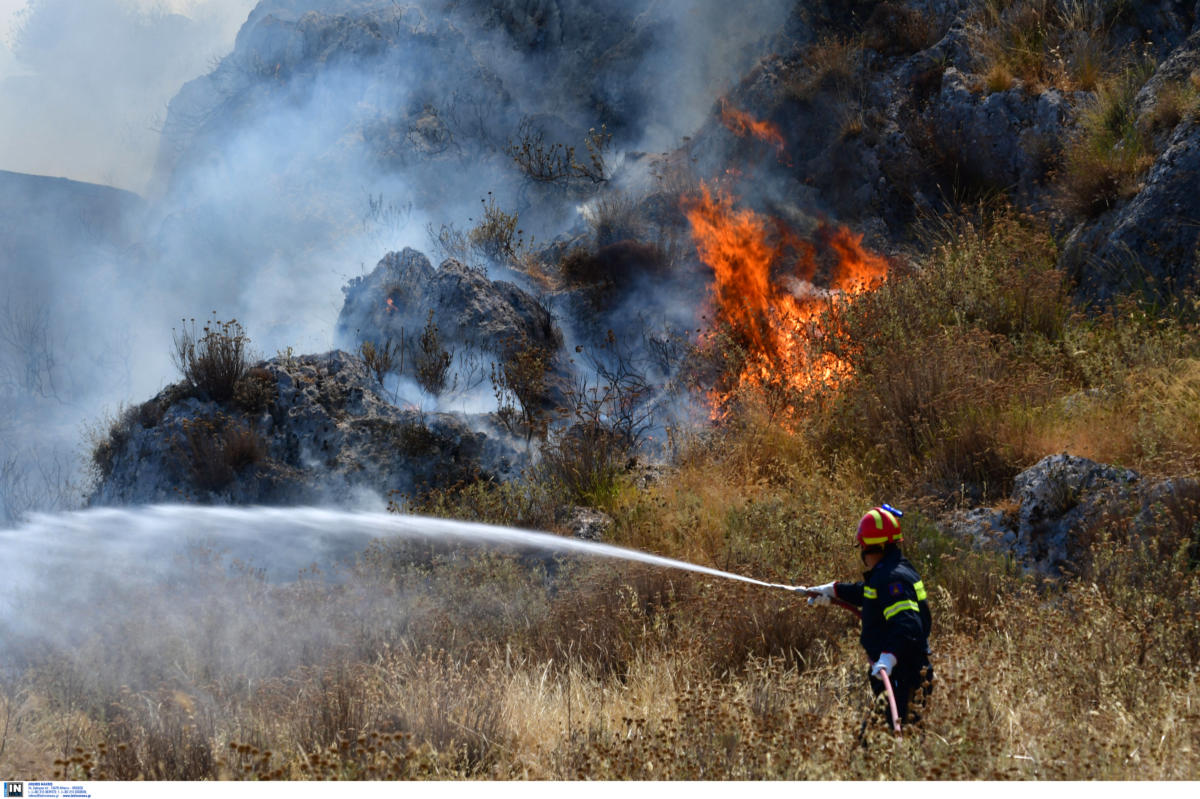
[{"x": 879, "y": 526}]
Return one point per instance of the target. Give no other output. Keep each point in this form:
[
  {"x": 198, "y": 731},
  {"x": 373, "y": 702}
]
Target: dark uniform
[{"x": 895, "y": 618}]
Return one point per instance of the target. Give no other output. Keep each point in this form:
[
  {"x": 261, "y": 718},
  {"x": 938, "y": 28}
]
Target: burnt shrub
[
  {"x": 213, "y": 360},
  {"x": 110, "y": 439},
  {"x": 256, "y": 391},
  {"x": 613, "y": 265},
  {"x": 212, "y": 449},
  {"x": 431, "y": 361},
  {"x": 519, "y": 385}
]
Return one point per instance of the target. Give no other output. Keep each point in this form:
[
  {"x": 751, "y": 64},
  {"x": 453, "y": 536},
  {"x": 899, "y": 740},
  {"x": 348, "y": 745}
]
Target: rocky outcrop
[
  {"x": 311, "y": 429},
  {"x": 1006, "y": 138},
  {"x": 1152, "y": 242},
  {"x": 1063, "y": 504},
  {"x": 396, "y": 300}
]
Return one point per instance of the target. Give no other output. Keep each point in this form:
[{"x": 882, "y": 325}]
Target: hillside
[{"x": 935, "y": 253}]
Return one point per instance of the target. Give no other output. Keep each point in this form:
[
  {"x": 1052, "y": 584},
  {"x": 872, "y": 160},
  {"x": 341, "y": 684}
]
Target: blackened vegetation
[{"x": 212, "y": 450}]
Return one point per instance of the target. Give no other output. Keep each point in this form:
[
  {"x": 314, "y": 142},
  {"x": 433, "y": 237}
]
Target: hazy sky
[{"x": 84, "y": 84}]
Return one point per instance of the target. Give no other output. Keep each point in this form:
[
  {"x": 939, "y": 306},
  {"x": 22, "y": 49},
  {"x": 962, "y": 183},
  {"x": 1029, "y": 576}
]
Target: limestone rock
[
  {"x": 325, "y": 435},
  {"x": 395, "y": 301}
]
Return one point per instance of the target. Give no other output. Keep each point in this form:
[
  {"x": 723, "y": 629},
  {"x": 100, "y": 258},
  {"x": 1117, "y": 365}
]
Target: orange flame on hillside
[
  {"x": 742, "y": 124},
  {"x": 763, "y": 292}
]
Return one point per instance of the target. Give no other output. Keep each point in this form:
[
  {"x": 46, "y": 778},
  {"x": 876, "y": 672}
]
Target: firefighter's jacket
[{"x": 895, "y": 613}]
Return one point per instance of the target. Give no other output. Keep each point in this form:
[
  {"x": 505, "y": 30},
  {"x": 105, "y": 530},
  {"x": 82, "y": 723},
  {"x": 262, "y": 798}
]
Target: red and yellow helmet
[{"x": 879, "y": 526}]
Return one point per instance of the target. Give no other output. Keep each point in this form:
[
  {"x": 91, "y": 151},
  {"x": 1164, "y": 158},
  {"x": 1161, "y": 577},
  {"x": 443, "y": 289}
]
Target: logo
[
  {"x": 896, "y": 590},
  {"x": 14, "y": 790}
]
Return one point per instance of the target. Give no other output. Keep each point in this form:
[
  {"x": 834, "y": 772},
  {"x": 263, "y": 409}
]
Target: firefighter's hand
[
  {"x": 821, "y": 594},
  {"x": 886, "y": 662}
]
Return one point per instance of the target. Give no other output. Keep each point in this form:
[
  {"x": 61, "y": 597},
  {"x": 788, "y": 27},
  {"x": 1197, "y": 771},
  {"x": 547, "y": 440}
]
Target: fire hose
[{"x": 883, "y": 675}]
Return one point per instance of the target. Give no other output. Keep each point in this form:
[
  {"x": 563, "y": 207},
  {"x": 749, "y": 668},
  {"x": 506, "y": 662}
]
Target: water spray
[{"x": 292, "y": 538}]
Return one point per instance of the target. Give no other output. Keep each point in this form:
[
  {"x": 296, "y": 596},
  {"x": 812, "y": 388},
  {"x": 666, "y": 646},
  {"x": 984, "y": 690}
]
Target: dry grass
[
  {"x": 1015, "y": 698},
  {"x": 1105, "y": 161},
  {"x": 421, "y": 661},
  {"x": 829, "y": 66},
  {"x": 1044, "y": 43}
]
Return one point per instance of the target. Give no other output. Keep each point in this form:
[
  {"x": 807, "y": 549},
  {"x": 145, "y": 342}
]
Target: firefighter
[{"x": 895, "y": 613}]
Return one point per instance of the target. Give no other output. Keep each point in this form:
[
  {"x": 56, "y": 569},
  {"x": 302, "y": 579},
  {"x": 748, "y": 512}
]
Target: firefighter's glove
[
  {"x": 821, "y": 594},
  {"x": 886, "y": 662}
]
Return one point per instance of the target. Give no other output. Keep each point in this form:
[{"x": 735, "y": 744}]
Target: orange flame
[
  {"x": 742, "y": 124},
  {"x": 391, "y": 306},
  {"x": 763, "y": 293}
]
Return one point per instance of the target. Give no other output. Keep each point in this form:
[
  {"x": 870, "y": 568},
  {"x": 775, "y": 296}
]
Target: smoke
[
  {"x": 263, "y": 168},
  {"x": 87, "y": 84}
]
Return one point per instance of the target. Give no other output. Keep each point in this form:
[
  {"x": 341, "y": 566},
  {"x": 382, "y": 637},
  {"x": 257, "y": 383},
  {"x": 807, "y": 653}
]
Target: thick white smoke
[
  {"x": 272, "y": 158},
  {"x": 85, "y": 85}
]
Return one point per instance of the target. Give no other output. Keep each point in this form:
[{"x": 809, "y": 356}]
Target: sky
[{"x": 84, "y": 84}]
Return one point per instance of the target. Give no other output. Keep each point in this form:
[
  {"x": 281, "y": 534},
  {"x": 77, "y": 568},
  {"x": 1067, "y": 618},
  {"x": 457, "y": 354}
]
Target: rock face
[
  {"x": 313, "y": 429},
  {"x": 1062, "y": 504},
  {"x": 1153, "y": 242},
  {"x": 1004, "y": 138},
  {"x": 395, "y": 302}
]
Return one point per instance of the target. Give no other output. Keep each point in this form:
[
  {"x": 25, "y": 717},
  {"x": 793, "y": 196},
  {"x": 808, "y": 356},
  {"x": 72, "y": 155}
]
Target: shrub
[
  {"x": 214, "y": 360},
  {"x": 978, "y": 329},
  {"x": 431, "y": 361},
  {"x": 1105, "y": 161},
  {"x": 109, "y": 441},
  {"x": 827, "y": 67},
  {"x": 213, "y": 449},
  {"x": 555, "y": 164},
  {"x": 613, "y": 266},
  {"x": 614, "y": 217},
  {"x": 496, "y": 237},
  {"x": 519, "y": 385},
  {"x": 899, "y": 29},
  {"x": 1175, "y": 101},
  {"x": 383, "y": 359},
  {"x": 585, "y": 461},
  {"x": 256, "y": 391}
]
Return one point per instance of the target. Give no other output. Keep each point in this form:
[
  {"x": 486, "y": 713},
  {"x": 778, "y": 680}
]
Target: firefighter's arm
[{"x": 851, "y": 593}]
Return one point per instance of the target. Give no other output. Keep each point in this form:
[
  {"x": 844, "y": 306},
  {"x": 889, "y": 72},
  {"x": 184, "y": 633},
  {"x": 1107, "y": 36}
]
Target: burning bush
[
  {"x": 935, "y": 360},
  {"x": 767, "y": 303}
]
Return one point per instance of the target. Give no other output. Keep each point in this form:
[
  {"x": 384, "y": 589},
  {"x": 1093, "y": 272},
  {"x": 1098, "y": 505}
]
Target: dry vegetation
[
  {"x": 426, "y": 663},
  {"x": 1059, "y": 44},
  {"x": 421, "y": 663}
]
